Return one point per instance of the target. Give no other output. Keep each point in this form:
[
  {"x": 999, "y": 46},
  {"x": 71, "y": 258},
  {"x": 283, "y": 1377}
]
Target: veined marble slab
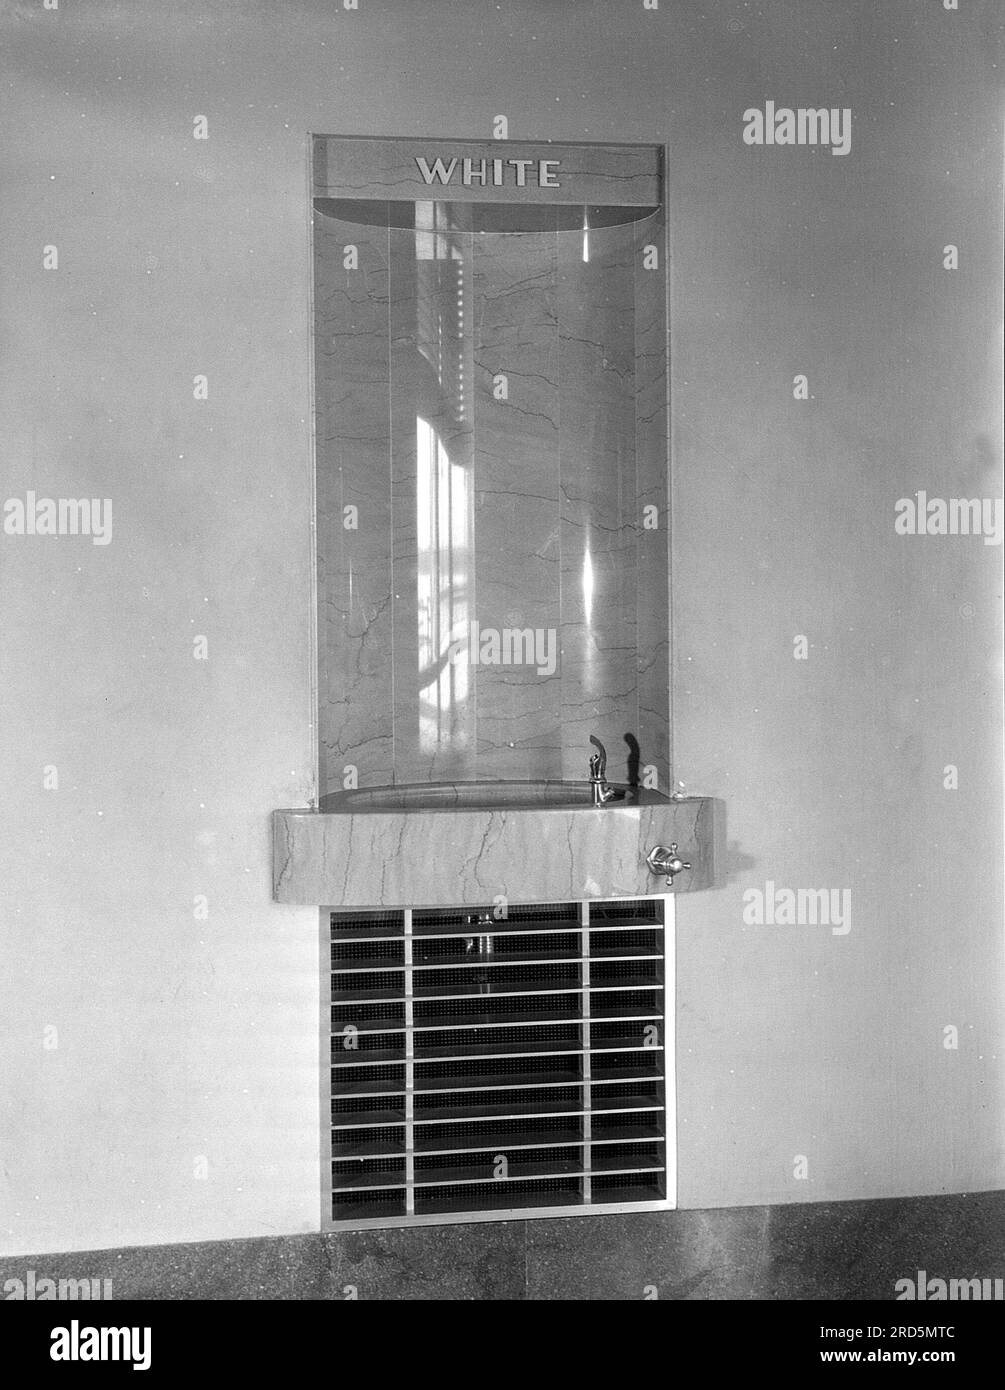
[
  {"x": 451, "y": 857},
  {"x": 491, "y": 459},
  {"x": 353, "y": 166}
]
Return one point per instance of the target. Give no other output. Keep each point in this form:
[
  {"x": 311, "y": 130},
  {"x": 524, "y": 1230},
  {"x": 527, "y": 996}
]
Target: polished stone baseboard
[{"x": 834, "y": 1250}]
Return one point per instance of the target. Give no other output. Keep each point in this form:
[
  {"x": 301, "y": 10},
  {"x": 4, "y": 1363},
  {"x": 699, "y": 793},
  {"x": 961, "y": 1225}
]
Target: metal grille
[{"x": 486, "y": 1068}]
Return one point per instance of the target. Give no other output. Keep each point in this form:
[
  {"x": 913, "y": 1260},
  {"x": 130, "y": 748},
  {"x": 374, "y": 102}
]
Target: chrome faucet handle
[
  {"x": 598, "y": 760},
  {"x": 666, "y": 861}
]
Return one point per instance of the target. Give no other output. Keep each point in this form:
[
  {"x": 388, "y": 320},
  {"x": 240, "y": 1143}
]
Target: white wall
[{"x": 180, "y": 1039}]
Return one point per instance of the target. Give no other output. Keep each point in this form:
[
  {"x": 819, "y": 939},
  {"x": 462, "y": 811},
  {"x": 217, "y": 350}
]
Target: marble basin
[
  {"x": 450, "y": 844},
  {"x": 478, "y": 796}
]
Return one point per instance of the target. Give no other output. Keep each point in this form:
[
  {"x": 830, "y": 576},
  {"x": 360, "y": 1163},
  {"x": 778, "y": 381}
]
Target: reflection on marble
[
  {"x": 693, "y": 1255},
  {"x": 450, "y": 857},
  {"x": 432, "y": 1263},
  {"x": 431, "y": 466},
  {"x": 495, "y": 406},
  {"x": 516, "y": 495},
  {"x": 652, "y": 498},
  {"x": 597, "y": 369},
  {"x": 845, "y": 1251},
  {"x": 354, "y": 572}
]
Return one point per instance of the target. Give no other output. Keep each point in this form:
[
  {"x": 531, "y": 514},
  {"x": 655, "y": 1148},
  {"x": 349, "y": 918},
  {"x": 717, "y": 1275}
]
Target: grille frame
[{"x": 386, "y": 1132}]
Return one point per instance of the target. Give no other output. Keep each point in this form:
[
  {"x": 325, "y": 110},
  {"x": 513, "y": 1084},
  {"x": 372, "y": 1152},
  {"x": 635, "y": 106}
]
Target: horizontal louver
[{"x": 496, "y": 1065}]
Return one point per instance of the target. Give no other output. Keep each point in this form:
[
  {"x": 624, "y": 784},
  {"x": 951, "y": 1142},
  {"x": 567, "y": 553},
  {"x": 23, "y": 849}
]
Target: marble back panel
[
  {"x": 373, "y": 167},
  {"x": 492, "y": 490}
]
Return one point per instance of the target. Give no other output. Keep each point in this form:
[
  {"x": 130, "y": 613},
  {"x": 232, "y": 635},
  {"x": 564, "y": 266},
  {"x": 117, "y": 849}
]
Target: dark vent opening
[
  {"x": 350, "y": 1046},
  {"x": 366, "y": 1206},
  {"x": 346, "y": 954},
  {"x": 367, "y": 921},
  {"x": 378, "y": 1141},
  {"x": 367, "y": 1016},
  {"x": 477, "y": 1012},
  {"x": 496, "y": 1065},
  {"x": 368, "y": 1173},
  {"x": 434, "y": 921},
  {"x": 610, "y": 1188},
  {"x": 642, "y": 910},
  {"x": 500, "y": 1196},
  {"x": 486, "y": 946}
]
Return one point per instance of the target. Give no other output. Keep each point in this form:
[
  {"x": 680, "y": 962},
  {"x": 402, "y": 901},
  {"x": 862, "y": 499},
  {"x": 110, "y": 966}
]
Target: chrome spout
[{"x": 602, "y": 792}]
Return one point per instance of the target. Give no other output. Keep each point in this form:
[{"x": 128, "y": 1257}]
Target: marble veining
[
  {"x": 491, "y": 451},
  {"x": 371, "y": 167},
  {"x": 455, "y": 856}
]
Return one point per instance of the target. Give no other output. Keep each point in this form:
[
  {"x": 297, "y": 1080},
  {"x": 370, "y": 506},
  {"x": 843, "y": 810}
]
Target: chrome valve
[{"x": 666, "y": 861}]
